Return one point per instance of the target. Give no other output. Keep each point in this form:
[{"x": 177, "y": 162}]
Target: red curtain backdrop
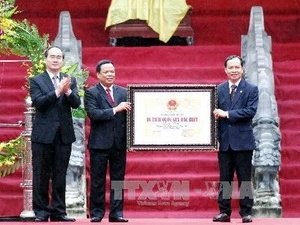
[{"x": 218, "y": 27}]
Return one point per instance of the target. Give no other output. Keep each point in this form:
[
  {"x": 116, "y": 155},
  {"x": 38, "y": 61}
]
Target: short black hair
[
  {"x": 232, "y": 57},
  {"x": 102, "y": 62},
  {"x": 46, "y": 52}
]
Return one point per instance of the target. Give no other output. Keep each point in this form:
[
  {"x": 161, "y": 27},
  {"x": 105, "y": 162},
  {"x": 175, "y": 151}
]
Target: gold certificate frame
[{"x": 173, "y": 117}]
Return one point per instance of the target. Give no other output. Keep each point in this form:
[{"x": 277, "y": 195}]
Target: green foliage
[
  {"x": 81, "y": 76},
  {"x": 10, "y": 156},
  {"x": 26, "y": 41},
  {"x": 79, "y": 113}
]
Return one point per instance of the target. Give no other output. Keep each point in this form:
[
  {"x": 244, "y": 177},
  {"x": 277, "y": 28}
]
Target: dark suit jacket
[
  {"x": 51, "y": 111},
  {"x": 236, "y": 130},
  {"x": 106, "y": 128}
]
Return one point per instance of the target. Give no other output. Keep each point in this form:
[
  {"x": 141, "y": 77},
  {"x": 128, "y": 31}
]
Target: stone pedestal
[{"x": 266, "y": 212}]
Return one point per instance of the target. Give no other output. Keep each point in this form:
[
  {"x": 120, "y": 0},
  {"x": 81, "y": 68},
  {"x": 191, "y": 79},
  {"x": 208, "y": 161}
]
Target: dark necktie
[
  {"x": 55, "y": 84},
  {"x": 232, "y": 93},
  {"x": 112, "y": 103}
]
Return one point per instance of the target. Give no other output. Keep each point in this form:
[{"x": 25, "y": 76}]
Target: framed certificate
[{"x": 172, "y": 117}]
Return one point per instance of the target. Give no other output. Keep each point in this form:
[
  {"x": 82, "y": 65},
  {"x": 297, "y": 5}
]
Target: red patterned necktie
[{"x": 109, "y": 97}]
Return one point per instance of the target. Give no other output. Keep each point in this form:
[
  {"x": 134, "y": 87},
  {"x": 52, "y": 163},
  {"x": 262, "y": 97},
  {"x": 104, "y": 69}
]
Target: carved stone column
[
  {"x": 256, "y": 52},
  {"x": 27, "y": 162}
]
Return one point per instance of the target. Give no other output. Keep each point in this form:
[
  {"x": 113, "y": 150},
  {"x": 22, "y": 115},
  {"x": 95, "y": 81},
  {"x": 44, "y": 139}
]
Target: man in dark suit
[
  {"x": 53, "y": 94},
  {"x": 106, "y": 105},
  {"x": 237, "y": 105}
]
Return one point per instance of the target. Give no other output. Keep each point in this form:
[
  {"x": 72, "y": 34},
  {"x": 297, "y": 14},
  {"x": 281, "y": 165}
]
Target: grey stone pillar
[{"x": 256, "y": 52}]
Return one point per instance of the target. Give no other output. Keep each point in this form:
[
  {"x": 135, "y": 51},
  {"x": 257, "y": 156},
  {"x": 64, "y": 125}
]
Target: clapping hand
[{"x": 64, "y": 85}]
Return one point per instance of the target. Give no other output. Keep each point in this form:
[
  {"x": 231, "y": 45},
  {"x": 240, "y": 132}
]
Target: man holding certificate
[
  {"x": 106, "y": 105},
  {"x": 237, "y": 105}
]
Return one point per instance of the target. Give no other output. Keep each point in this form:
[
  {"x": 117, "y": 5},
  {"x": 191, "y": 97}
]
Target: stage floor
[{"x": 170, "y": 221}]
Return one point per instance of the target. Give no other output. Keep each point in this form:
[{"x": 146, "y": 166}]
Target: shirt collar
[
  {"x": 52, "y": 75},
  {"x": 110, "y": 88},
  {"x": 237, "y": 83}
]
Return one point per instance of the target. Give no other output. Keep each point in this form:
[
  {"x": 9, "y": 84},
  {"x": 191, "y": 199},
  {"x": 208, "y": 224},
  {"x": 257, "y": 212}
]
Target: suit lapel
[
  {"x": 104, "y": 94},
  {"x": 48, "y": 81},
  {"x": 225, "y": 92},
  {"x": 116, "y": 95}
]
